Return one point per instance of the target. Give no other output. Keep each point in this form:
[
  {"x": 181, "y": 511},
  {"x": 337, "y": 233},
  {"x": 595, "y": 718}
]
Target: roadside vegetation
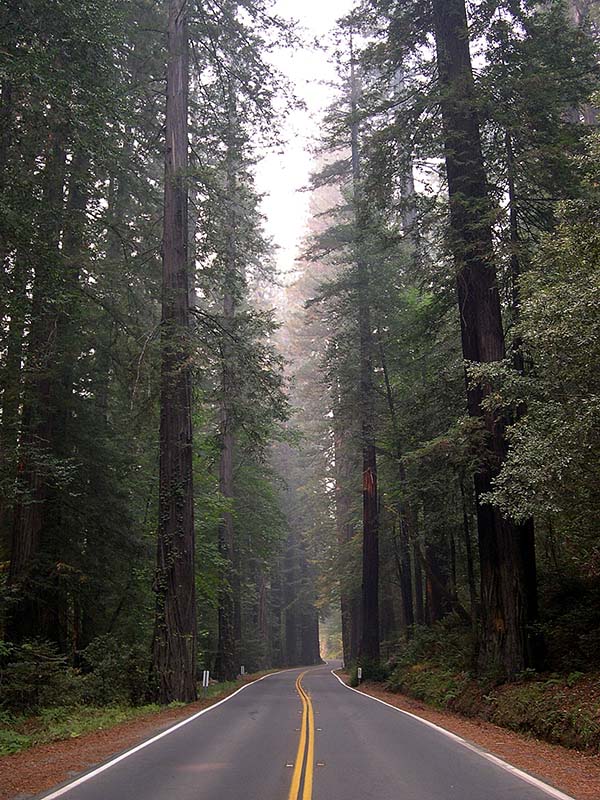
[{"x": 45, "y": 700}]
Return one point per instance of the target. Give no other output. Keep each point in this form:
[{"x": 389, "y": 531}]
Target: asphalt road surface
[{"x": 302, "y": 735}]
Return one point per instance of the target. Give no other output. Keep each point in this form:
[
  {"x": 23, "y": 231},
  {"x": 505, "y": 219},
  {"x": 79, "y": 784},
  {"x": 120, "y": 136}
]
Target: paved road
[{"x": 301, "y": 735}]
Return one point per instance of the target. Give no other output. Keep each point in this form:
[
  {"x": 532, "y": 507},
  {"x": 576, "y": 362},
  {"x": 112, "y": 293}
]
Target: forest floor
[
  {"x": 41, "y": 767},
  {"x": 574, "y": 772}
]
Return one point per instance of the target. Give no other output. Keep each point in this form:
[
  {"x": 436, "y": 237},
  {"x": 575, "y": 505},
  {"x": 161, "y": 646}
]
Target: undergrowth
[
  {"x": 562, "y": 708},
  {"x": 42, "y": 699}
]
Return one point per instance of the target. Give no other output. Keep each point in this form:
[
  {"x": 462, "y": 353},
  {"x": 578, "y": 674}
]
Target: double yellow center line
[{"x": 305, "y": 757}]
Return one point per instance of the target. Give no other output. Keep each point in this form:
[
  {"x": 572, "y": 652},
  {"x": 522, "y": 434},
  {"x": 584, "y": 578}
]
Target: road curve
[{"x": 302, "y": 735}]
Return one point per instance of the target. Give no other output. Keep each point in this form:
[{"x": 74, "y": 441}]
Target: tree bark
[
  {"x": 504, "y": 590},
  {"x": 369, "y": 643},
  {"x": 174, "y": 645}
]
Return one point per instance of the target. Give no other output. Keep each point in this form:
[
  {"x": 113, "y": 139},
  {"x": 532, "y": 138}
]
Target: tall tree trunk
[
  {"x": 504, "y": 590},
  {"x": 369, "y": 643},
  {"x": 174, "y": 645}
]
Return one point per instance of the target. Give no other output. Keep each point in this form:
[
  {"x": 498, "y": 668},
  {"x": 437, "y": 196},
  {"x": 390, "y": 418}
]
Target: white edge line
[
  {"x": 89, "y": 775},
  {"x": 524, "y": 776}
]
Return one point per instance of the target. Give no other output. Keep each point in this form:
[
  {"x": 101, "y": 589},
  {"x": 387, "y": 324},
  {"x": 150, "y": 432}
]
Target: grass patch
[{"x": 19, "y": 732}]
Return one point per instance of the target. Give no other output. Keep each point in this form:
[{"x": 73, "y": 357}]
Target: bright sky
[{"x": 281, "y": 175}]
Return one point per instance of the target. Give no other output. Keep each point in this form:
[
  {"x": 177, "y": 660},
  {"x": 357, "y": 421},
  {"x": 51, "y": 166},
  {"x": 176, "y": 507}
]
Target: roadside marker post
[
  {"x": 205, "y": 680},
  {"x": 242, "y": 670},
  {"x": 359, "y": 674}
]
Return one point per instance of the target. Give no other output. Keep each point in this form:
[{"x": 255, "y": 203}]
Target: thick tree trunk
[
  {"x": 369, "y": 642},
  {"x": 174, "y": 646},
  {"x": 504, "y": 591}
]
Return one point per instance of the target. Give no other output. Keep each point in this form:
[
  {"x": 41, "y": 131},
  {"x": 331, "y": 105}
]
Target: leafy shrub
[
  {"x": 12, "y": 742},
  {"x": 114, "y": 672},
  {"x": 430, "y": 683},
  {"x": 547, "y": 710}
]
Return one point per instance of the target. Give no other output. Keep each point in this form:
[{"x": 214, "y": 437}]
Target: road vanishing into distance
[{"x": 299, "y": 735}]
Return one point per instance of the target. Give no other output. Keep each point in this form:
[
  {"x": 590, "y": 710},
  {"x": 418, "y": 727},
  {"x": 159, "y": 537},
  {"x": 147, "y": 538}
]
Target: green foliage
[
  {"x": 550, "y": 711},
  {"x": 33, "y": 674},
  {"x": 114, "y": 672},
  {"x": 68, "y": 719},
  {"x": 447, "y": 643},
  {"x": 13, "y": 742},
  {"x": 554, "y": 448},
  {"x": 429, "y": 682},
  {"x": 371, "y": 670},
  {"x": 65, "y": 722}
]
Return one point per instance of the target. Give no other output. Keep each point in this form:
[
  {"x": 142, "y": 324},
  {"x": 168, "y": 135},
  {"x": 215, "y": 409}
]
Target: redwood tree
[
  {"x": 369, "y": 643},
  {"x": 174, "y": 646},
  {"x": 506, "y": 550}
]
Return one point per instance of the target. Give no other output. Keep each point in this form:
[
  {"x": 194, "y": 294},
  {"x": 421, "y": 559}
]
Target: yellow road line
[
  {"x": 310, "y": 755},
  {"x": 297, "y": 775},
  {"x": 307, "y": 734}
]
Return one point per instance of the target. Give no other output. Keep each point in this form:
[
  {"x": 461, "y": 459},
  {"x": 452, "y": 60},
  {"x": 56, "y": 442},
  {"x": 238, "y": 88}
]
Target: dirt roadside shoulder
[{"x": 573, "y": 772}]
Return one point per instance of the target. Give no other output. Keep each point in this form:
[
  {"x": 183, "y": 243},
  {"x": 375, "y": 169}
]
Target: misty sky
[{"x": 282, "y": 174}]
